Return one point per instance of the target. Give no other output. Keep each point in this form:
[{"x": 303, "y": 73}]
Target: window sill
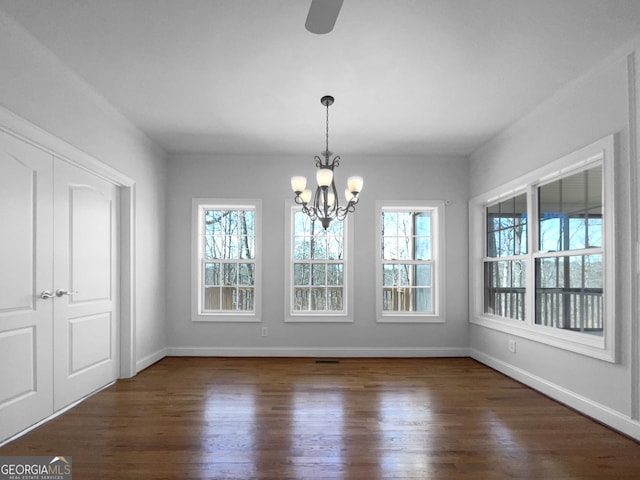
[
  {"x": 410, "y": 318},
  {"x": 577, "y": 342},
  {"x": 319, "y": 318},
  {"x": 226, "y": 317}
]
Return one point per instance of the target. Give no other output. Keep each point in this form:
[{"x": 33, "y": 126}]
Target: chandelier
[{"x": 325, "y": 206}]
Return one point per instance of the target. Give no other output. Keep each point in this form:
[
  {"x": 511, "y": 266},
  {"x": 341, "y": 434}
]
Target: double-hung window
[
  {"x": 505, "y": 264},
  {"x": 410, "y": 285},
  {"x": 318, "y": 285},
  {"x": 542, "y": 254},
  {"x": 226, "y": 260}
]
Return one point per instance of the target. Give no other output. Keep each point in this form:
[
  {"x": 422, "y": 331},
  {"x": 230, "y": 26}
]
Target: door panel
[
  {"x": 91, "y": 341},
  {"x": 86, "y": 320},
  {"x": 26, "y": 391},
  {"x": 90, "y": 249}
]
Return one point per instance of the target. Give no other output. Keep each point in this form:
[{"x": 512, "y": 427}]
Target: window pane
[
  {"x": 334, "y": 274},
  {"x": 569, "y": 293},
  {"x": 246, "y": 274},
  {"x": 301, "y": 299},
  {"x": 212, "y": 274},
  {"x": 334, "y": 299},
  {"x": 318, "y": 299},
  {"x": 570, "y": 209},
  {"x": 507, "y": 227},
  {"x": 243, "y": 299},
  {"x": 247, "y": 246},
  {"x": 336, "y": 229},
  {"x": 404, "y": 251},
  {"x": 301, "y": 248},
  {"x": 403, "y": 274},
  {"x": 319, "y": 274},
  {"x": 319, "y": 247},
  {"x": 301, "y": 223},
  {"x": 213, "y": 247},
  {"x": 423, "y": 275},
  {"x": 390, "y": 248},
  {"x": 593, "y": 275},
  {"x": 423, "y": 248},
  {"x": 212, "y": 298},
  {"x": 335, "y": 247},
  {"x": 389, "y": 223},
  {"x": 248, "y": 222},
  {"x": 388, "y": 275},
  {"x": 423, "y": 300},
  {"x": 423, "y": 223},
  {"x": 301, "y": 273},
  {"x": 505, "y": 288},
  {"x": 213, "y": 222},
  {"x": 229, "y": 274}
]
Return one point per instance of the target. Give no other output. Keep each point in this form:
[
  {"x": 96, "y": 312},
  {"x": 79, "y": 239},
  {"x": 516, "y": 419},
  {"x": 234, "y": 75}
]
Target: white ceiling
[{"x": 410, "y": 77}]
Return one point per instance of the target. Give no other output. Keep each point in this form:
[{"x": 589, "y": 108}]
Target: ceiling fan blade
[{"x": 322, "y": 15}]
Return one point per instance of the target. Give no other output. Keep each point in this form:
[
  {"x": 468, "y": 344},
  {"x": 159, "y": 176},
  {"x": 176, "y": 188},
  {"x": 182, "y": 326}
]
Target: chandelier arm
[{"x": 335, "y": 207}]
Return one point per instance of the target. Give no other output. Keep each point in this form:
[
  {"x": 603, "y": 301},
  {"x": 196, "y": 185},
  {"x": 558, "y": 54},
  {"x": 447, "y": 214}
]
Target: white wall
[
  {"x": 268, "y": 178},
  {"x": 590, "y": 108},
  {"x": 35, "y": 86}
]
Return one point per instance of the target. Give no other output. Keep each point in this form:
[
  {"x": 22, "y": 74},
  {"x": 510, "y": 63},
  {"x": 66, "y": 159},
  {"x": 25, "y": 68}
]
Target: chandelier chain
[{"x": 327, "y": 136}]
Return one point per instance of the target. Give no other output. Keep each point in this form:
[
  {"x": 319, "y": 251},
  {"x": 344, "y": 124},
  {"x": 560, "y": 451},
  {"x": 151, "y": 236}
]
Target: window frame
[
  {"x": 325, "y": 316},
  {"x": 601, "y": 152},
  {"x": 437, "y": 209},
  {"x": 199, "y": 205}
]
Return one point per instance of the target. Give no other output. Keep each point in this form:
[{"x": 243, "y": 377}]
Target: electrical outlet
[
  {"x": 265, "y": 332},
  {"x": 512, "y": 346}
]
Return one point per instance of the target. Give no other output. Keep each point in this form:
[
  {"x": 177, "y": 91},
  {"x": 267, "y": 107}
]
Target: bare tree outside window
[
  {"x": 228, "y": 260},
  {"x": 407, "y": 261},
  {"x": 318, "y": 266}
]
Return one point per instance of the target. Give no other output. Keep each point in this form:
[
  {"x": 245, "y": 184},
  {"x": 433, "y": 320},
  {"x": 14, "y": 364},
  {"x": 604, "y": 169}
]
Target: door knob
[
  {"x": 61, "y": 291},
  {"x": 46, "y": 294}
]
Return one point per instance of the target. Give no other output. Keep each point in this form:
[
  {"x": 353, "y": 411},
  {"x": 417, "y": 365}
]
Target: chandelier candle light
[{"x": 325, "y": 206}]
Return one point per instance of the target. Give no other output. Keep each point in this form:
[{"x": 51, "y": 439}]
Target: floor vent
[{"x": 327, "y": 361}]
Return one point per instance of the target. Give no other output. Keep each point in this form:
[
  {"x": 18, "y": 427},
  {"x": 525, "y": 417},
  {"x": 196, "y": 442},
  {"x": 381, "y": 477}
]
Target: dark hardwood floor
[{"x": 228, "y": 418}]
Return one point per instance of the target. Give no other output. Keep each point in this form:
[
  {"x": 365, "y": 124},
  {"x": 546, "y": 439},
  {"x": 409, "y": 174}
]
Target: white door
[
  {"x": 26, "y": 270},
  {"x": 86, "y": 274}
]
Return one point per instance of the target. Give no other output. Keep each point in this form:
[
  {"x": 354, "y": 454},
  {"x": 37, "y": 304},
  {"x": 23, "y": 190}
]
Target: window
[
  {"x": 226, "y": 260},
  {"x": 409, "y": 278},
  {"x": 545, "y": 278},
  {"x": 505, "y": 265},
  {"x": 569, "y": 275},
  {"x": 318, "y": 270}
]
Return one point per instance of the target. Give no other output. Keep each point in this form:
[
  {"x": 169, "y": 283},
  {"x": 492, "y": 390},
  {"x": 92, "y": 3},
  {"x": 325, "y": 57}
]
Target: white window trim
[
  {"x": 604, "y": 347},
  {"x": 438, "y": 256},
  {"x": 198, "y": 205},
  {"x": 346, "y": 315}
]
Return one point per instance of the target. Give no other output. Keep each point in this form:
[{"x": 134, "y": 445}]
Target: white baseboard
[
  {"x": 150, "y": 359},
  {"x": 584, "y": 405},
  {"x": 315, "y": 352}
]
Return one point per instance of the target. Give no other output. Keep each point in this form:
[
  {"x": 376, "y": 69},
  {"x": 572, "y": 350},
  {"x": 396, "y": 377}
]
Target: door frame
[{"x": 26, "y": 131}]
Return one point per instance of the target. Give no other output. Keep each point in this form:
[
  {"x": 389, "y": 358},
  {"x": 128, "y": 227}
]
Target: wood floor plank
[{"x": 293, "y": 418}]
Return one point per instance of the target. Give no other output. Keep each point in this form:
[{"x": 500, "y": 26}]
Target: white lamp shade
[
  {"x": 298, "y": 183},
  {"x": 354, "y": 184},
  {"x": 324, "y": 176},
  {"x": 348, "y": 195},
  {"x": 306, "y": 195}
]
